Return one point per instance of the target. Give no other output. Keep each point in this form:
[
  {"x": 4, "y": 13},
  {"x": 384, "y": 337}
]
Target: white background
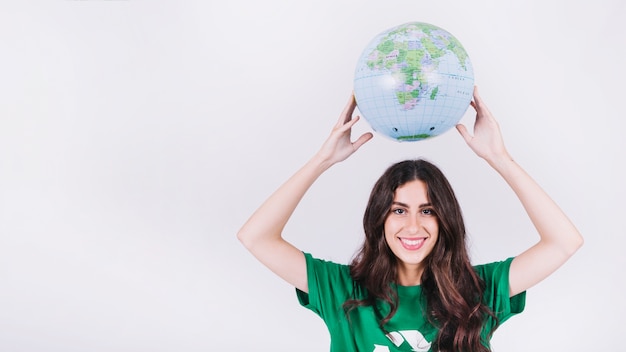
[{"x": 136, "y": 137}]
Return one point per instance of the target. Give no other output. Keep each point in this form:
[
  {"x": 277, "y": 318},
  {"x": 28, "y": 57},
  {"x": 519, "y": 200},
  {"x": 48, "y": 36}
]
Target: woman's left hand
[{"x": 487, "y": 140}]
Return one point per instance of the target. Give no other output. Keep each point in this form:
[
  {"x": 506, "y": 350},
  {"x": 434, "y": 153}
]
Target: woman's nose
[{"x": 413, "y": 224}]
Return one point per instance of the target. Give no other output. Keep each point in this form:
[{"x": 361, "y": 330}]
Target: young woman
[{"x": 411, "y": 286}]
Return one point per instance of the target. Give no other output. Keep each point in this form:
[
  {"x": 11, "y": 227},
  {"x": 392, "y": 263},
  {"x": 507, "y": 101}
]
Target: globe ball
[{"x": 413, "y": 81}]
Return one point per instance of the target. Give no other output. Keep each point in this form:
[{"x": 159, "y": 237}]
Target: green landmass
[
  {"x": 413, "y": 71},
  {"x": 433, "y": 94},
  {"x": 451, "y": 43},
  {"x": 432, "y": 49},
  {"x": 386, "y": 46},
  {"x": 414, "y": 58},
  {"x": 458, "y": 50},
  {"x": 404, "y": 96},
  {"x": 425, "y": 27},
  {"x": 414, "y": 137},
  {"x": 402, "y": 54}
]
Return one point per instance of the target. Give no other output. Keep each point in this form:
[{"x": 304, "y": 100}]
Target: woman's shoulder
[
  {"x": 330, "y": 284},
  {"x": 493, "y": 269},
  {"x": 327, "y": 267}
]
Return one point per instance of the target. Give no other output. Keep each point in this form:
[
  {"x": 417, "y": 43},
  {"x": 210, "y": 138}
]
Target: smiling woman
[
  {"x": 411, "y": 286},
  {"x": 415, "y": 237}
]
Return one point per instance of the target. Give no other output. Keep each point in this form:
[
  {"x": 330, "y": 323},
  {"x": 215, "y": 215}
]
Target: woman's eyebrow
[{"x": 407, "y": 206}]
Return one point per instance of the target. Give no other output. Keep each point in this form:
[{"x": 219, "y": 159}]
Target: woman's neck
[{"x": 409, "y": 275}]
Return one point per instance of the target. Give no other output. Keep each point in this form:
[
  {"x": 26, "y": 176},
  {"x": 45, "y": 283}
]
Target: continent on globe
[{"x": 413, "y": 81}]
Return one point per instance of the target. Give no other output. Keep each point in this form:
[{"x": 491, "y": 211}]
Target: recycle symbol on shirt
[{"x": 413, "y": 337}]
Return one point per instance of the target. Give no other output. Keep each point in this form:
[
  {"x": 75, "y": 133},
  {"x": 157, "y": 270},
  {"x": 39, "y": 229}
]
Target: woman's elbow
[
  {"x": 244, "y": 238},
  {"x": 575, "y": 244}
]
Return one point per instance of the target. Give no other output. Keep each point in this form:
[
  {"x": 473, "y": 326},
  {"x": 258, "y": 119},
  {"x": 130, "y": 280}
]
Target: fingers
[
  {"x": 479, "y": 105},
  {"x": 464, "y": 133},
  {"x": 346, "y": 114},
  {"x": 477, "y": 101},
  {"x": 348, "y": 124},
  {"x": 347, "y": 121},
  {"x": 476, "y": 95},
  {"x": 362, "y": 140}
]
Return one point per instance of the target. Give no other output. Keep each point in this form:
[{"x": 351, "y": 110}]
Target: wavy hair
[{"x": 452, "y": 289}]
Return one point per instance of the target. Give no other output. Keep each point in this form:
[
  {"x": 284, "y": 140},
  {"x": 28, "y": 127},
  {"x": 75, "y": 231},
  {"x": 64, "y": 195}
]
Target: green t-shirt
[{"x": 330, "y": 285}]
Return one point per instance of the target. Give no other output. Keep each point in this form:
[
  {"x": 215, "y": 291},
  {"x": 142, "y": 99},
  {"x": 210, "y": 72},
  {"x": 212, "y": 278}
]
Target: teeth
[{"x": 413, "y": 242}]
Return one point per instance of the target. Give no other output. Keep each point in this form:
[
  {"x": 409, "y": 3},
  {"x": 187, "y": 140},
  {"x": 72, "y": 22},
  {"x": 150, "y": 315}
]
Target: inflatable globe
[{"x": 413, "y": 81}]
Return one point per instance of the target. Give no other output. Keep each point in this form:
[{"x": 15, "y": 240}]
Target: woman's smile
[{"x": 412, "y": 244}]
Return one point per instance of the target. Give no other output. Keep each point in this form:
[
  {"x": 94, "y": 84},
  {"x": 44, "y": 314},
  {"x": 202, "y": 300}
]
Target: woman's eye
[
  {"x": 398, "y": 211},
  {"x": 428, "y": 212}
]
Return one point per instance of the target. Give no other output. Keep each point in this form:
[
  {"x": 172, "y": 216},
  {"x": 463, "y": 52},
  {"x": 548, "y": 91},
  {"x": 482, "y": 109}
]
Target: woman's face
[{"x": 411, "y": 228}]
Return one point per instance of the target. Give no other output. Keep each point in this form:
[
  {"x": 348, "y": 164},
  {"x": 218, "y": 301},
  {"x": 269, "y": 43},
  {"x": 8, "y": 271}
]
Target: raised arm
[
  {"x": 558, "y": 237},
  {"x": 262, "y": 233}
]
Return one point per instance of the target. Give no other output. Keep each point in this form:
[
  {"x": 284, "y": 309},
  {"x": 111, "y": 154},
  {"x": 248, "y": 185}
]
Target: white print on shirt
[{"x": 414, "y": 338}]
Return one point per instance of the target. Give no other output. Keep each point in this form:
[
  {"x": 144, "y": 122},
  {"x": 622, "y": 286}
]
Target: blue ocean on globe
[{"x": 413, "y": 82}]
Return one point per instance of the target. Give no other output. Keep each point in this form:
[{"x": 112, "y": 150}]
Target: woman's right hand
[
  {"x": 262, "y": 233},
  {"x": 339, "y": 146}
]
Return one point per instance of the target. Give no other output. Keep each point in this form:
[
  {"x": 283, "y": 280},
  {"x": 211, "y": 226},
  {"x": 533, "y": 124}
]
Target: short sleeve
[
  {"x": 496, "y": 277},
  {"x": 329, "y": 286}
]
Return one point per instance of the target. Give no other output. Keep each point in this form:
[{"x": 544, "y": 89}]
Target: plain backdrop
[{"x": 137, "y": 136}]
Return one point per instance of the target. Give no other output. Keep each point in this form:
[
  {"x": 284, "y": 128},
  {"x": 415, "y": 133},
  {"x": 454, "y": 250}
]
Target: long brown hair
[{"x": 452, "y": 288}]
